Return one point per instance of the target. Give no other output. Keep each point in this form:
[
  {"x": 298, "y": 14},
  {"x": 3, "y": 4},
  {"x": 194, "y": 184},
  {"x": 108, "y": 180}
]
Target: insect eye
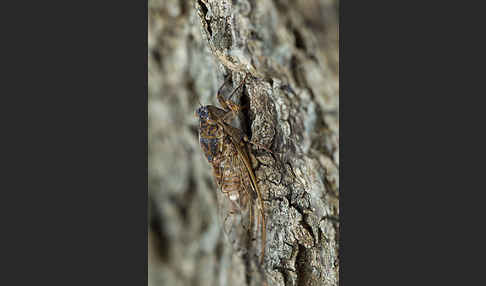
[{"x": 202, "y": 112}]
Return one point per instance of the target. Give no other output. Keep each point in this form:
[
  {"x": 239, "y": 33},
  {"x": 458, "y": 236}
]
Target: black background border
[
  {"x": 75, "y": 180},
  {"x": 75, "y": 144}
]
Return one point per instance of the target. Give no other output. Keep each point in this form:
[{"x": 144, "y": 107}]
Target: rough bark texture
[{"x": 290, "y": 48}]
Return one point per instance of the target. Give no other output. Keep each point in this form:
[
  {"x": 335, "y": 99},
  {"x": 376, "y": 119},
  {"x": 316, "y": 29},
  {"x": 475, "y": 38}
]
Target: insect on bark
[{"x": 226, "y": 149}]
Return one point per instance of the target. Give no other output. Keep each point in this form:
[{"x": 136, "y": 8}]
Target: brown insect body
[{"x": 226, "y": 150}]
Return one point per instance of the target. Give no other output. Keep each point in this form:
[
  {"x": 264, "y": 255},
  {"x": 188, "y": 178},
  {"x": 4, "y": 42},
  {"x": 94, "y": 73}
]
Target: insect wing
[{"x": 235, "y": 200}]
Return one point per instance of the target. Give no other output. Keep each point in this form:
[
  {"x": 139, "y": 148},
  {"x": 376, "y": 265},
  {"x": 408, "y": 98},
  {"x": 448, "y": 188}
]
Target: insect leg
[
  {"x": 220, "y": 142},
  {"x": 241, "y": 84},
  {"x": 234, "y": 109},
  {"x": 227, "y": 104},
  {"x": 219, "y": 96}
]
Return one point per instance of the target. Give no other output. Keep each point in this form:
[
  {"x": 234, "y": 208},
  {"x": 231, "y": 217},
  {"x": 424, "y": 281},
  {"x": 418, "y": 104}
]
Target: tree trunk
[{"x": 290, "y": 49}]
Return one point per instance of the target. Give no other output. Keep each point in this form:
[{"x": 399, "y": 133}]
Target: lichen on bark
[{"x": 290, "y": 48}]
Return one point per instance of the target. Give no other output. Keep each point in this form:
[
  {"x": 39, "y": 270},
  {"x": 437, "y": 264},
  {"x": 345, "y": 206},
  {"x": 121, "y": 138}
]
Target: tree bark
[{"x": 290, "y": 49}]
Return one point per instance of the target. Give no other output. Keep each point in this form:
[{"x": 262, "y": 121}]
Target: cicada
[{"x": 226, "y": 149}]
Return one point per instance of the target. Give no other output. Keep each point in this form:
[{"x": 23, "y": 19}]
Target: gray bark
[{"x": 291, "y": 50}]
